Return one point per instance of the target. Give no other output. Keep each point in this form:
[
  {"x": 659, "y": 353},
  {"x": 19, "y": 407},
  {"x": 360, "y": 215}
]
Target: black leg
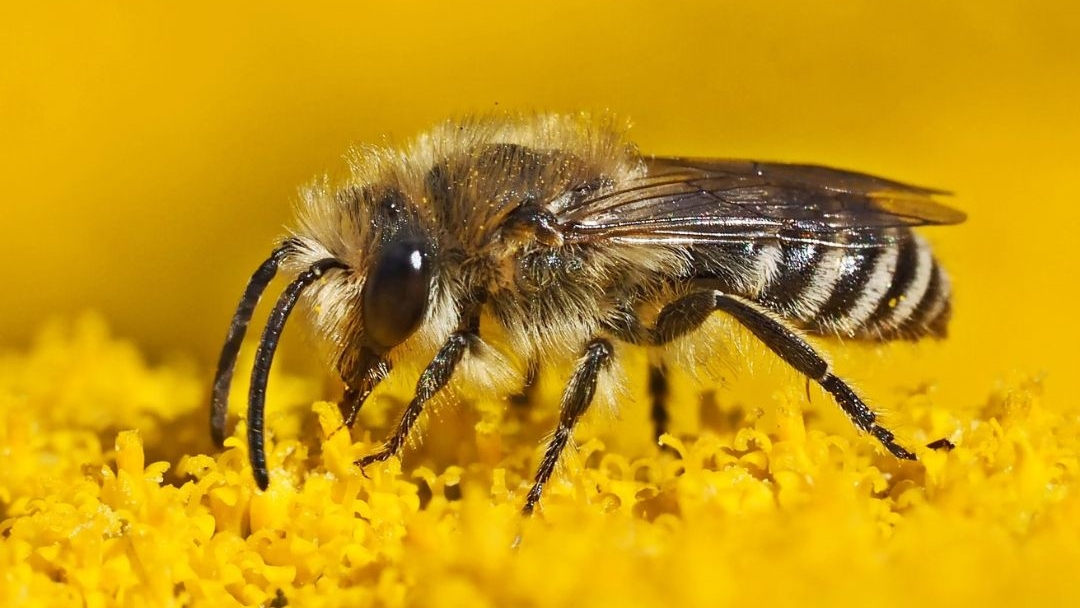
[
  {"x": 354, "y": 399},
  {"x": 628, "y": 328},
  {"x": 433, "y": 379},
  {"x": 350, "y": 405},
  {"x": 688, "y": 312},
  {"x": 658, "y": 391},
  {"x": 357, "y": 391},
  {"x": 576, "y": 399}
]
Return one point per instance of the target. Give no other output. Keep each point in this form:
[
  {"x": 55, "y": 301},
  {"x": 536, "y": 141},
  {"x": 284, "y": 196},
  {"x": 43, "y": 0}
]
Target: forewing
[{"x": 690, "y": 201}]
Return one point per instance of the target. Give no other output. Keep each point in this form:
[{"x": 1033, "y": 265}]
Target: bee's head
[
  {"x": 385, "y": 287},
  {"x": 364, "y": 268}
]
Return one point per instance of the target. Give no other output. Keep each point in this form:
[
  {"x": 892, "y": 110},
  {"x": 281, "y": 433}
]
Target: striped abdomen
[{"x": 893, "y": 290}]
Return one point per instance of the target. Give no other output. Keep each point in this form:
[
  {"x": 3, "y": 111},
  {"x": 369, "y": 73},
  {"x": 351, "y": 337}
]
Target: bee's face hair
[
  {"x": 379, "y": 231},
  {"x": 393, "y": 296}
]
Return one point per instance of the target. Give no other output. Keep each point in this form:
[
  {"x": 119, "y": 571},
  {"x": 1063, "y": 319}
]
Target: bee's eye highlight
[{"x": 396, "y": 293}]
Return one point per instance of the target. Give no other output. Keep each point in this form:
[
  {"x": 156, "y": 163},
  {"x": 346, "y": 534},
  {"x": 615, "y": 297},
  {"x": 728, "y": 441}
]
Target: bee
[{"x": 556, "y": 232}]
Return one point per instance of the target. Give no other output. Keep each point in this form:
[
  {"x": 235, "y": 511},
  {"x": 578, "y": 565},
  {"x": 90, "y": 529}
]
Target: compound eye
[{"x": 396, "y": 293}]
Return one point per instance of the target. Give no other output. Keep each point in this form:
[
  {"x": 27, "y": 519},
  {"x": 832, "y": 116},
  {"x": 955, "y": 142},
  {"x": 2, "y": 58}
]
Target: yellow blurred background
[{"x": 151, "y": 151}]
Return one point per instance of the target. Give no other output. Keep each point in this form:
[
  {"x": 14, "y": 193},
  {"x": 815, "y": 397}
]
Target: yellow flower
[{"x": 752, "y": 507}]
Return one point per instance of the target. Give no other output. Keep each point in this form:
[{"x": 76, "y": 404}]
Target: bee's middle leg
[
  {"x": 632, "y": 330},
  {"x": 575, "y": 401}
]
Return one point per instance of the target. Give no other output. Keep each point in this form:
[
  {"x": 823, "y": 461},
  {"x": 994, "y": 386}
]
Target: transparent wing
[{"x": 691, "y": 201}]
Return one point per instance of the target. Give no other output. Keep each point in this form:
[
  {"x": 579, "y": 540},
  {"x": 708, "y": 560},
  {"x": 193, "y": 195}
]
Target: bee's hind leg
[
  {"x": 575, "y": 401},
  {"x": 690, "y": 311}
]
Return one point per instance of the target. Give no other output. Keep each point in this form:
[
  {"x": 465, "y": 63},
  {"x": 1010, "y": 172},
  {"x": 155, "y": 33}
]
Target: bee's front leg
[
  {"x": 432, "y": 380},
  {"x": 361, "y": 376}
]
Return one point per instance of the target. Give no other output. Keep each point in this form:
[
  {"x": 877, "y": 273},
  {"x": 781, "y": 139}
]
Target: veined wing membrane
[{"x": 688, "y": 200}]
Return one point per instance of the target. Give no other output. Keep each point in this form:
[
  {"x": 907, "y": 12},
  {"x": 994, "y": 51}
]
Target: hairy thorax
[{"x": 551, "y": 299}]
